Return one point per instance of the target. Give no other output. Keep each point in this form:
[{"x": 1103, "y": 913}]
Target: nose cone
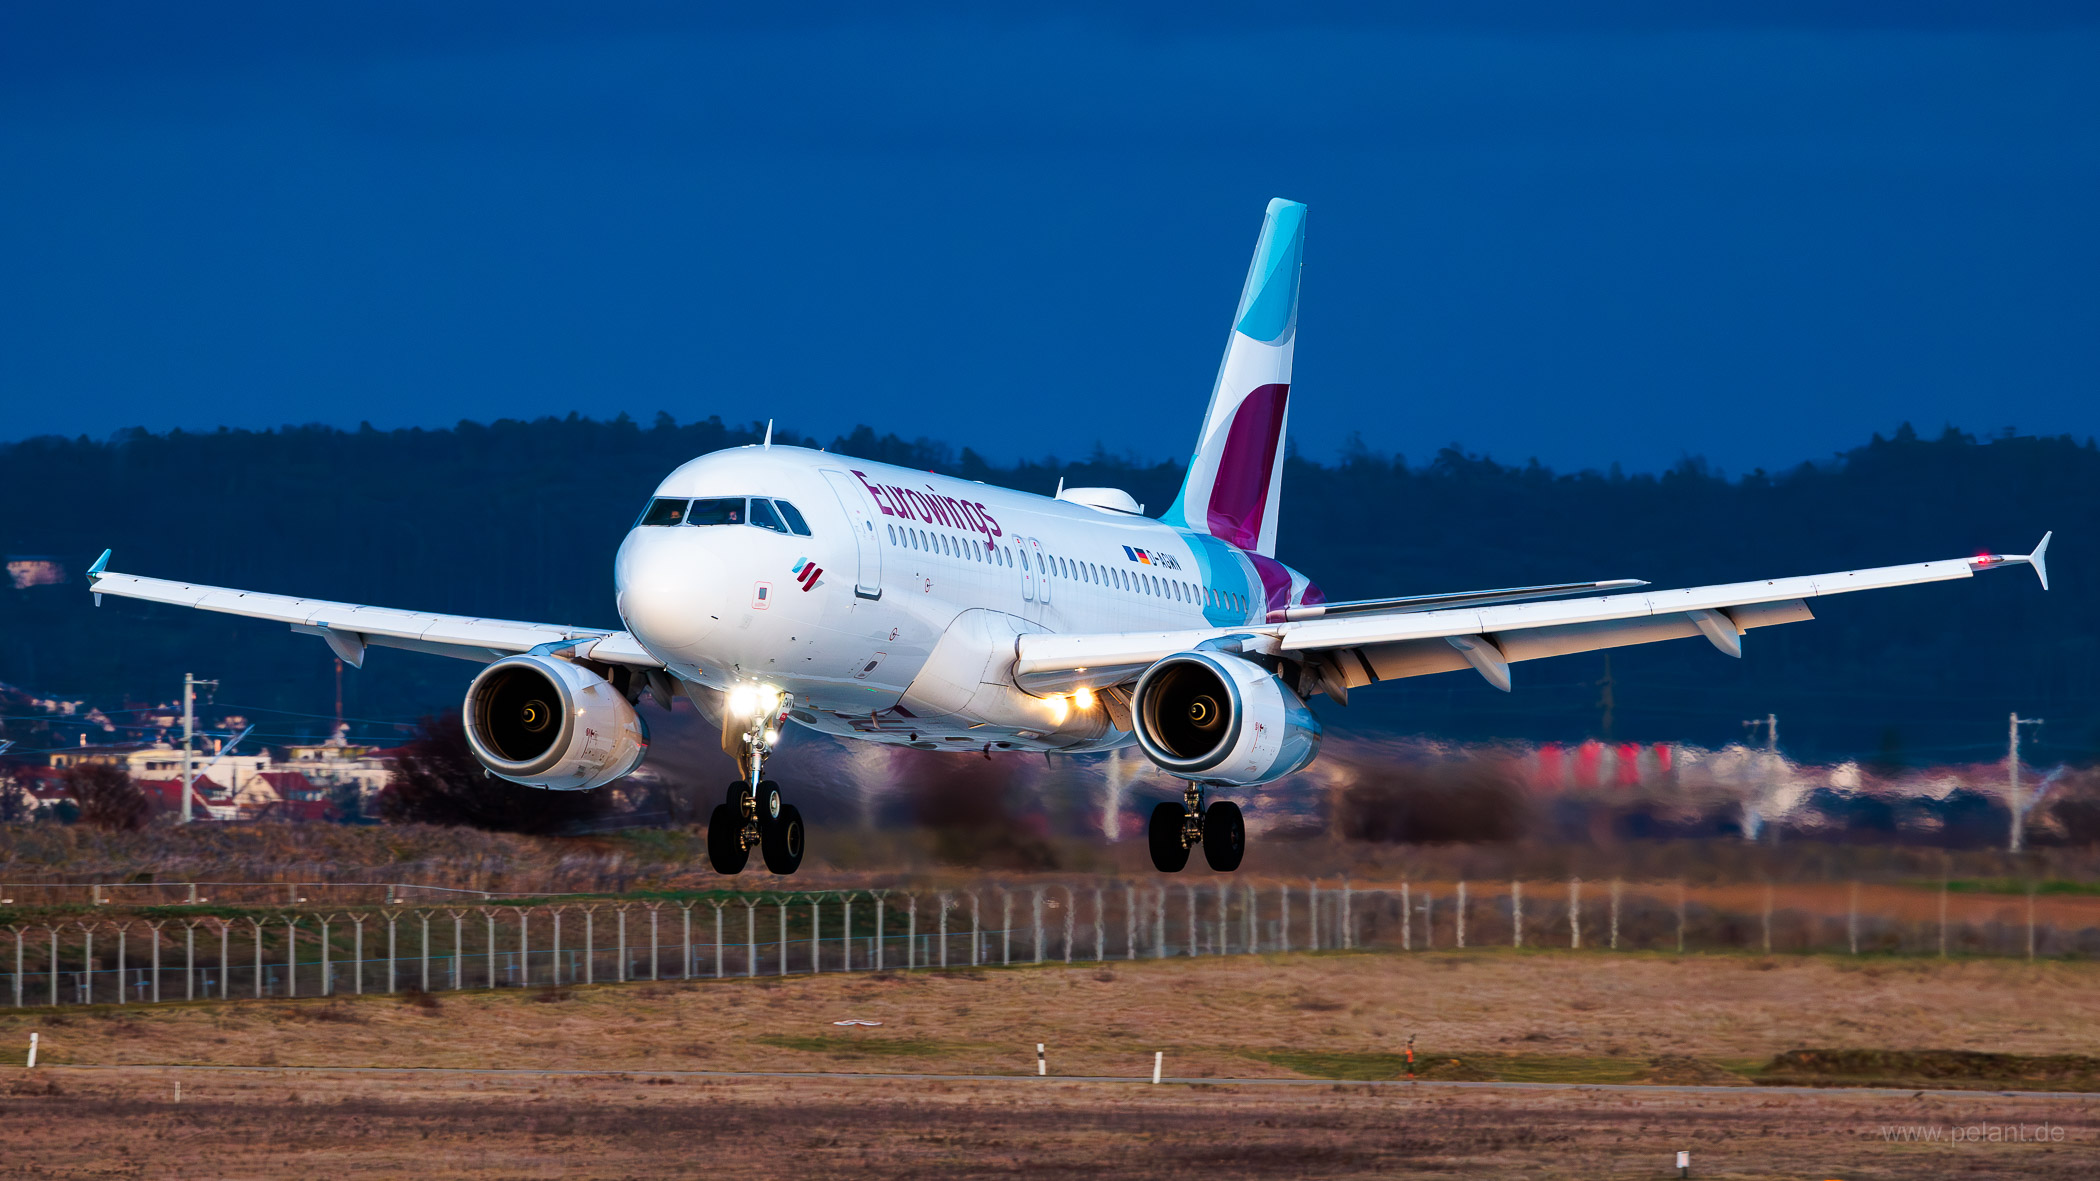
[{"x": 668, "y": 584}]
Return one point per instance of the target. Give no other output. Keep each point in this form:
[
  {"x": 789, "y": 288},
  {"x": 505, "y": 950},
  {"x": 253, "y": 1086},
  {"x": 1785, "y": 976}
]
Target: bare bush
[
  {"x": 437, "y": 780},
  {"x": 107, "y": 797}
]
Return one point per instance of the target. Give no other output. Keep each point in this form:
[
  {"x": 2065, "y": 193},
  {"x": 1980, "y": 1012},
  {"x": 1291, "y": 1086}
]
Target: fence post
[
  {"x": 1348, "y": 916},
  {"x": 524, "y": 947},
  {"x": 488, "y": 918},
  {"x": 881, "y": 901},
  {"x": 750, "y": 935},
  {"x": 780, "y": 903},
  {"x": 976, "y": 931},
  {"x": 590, "y": 945},
  {"x": 1006, "y": 926},
  {"x": 1458, "y": 916},
  {"x": 225, "y": 959},
  {"x": 424, "y": 915},
  {"x": 1407, "y": 918},
  {"x": 1283, "y": 916},
  {"x": 16, "y": 928},
  {"x": 718, "y": 905},
  {"x": 1036, "y": 911},
  {"x": 1516, "y": 914},
  {"x": 652, "y": 908},
  {"x": 357, "y": 956},
  {"x": 1251, "y": 919},
  {"x": 1852, "y": 920},
  {"x": 941, "y": 900},
  {"x": 124, "y": 937},
  {"x": 911, "y": 932},
  {"x": 620, "y": 944},
  {"x": 846, "y": 941},
  {"x": 1188, "y": 898},
  {"x": 291, "y": 956},
  {"x": 816, "y": 934},
  {"x": 1575, "y": 915},
  {"x": 87, "y": 961},
  {"x": 393, "y": 918},
  {"x": 256, "y": 929},
  {"x": 1130, "y": 943},
  {"x": 459, "y": 944},
  {"x": 327, "y": 961},
  {"x": 53, "y": 964},
  {"x": 1071, "y": 914},
  {"x": 153, "y": 927},
  {"x": 685, "y": 971},
  {"x": 1312, "y": 893},
  {"x": 1616, "y": 887}
]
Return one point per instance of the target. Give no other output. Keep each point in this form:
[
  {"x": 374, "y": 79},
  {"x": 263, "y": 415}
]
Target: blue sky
[{"x": 1750, "y": 232}]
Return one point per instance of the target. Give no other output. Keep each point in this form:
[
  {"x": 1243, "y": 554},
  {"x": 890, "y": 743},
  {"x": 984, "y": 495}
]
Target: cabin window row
[
  {"x": 777, "y": 515},
  {"x": 1049, "y": 565}
]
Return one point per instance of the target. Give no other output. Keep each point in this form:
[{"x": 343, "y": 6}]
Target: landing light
[
  {"x": 743, "y": 701},
  {"x": 769, "y": 699},
  {"x": 1084, "y": 699},
  {"x": 772, "y": 736},
  {"x": 1060, "y": 709}
]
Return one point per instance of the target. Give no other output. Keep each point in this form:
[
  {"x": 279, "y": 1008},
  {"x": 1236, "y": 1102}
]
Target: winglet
[
  {"x": 95, "y": 572},
  {"x": 2039, "y": 559}
]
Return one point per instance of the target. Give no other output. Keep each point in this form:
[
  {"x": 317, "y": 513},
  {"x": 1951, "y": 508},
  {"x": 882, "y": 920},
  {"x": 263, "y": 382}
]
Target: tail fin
[{"x": 1234, "y": 487}]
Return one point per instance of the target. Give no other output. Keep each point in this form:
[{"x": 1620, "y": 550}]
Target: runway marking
[{"x": 849, "y": 1076}]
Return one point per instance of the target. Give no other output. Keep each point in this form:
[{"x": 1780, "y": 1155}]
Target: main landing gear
[
  {"x": 1176, "y": 828},
  {"x": 754, "y": 813}
]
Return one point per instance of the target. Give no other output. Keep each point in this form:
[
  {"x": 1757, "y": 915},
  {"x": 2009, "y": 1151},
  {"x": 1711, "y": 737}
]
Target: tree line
[{"x": 520, "y": 520}]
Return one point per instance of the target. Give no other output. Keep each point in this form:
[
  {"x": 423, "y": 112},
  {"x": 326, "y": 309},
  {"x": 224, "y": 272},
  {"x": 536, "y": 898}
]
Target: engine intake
[
  {"x": 1222, "y": 719},
  {"x": 549, "y": 723}
]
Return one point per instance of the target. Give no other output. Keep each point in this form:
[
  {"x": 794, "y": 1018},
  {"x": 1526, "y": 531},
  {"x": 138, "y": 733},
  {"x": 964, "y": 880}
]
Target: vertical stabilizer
[{"x": 1234, "y": 485}]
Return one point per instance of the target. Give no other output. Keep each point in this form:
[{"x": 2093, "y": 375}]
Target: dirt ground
[{"x": 1516, "y": 1016}]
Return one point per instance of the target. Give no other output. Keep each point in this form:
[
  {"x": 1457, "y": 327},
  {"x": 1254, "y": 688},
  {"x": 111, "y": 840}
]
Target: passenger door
[{"x": 860, "y": 515}]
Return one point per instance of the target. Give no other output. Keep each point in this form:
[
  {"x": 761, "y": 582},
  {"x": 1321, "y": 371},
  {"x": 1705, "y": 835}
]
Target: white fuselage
[{"x": 905, "y": 630}]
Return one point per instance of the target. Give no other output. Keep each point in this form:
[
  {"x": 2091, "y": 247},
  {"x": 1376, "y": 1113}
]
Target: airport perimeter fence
[{"x": 295, "y": 953}]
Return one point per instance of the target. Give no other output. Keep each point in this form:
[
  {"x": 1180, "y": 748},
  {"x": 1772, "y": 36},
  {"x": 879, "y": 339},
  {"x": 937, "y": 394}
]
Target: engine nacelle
[
  {"x": 1219, "y": 718},
  {"x": 548, "y": 723}
]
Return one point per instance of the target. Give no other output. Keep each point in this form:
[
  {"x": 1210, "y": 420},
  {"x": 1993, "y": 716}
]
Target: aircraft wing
[
  {"x": 350, "y": 627},
  {"x": 1359, "y": 649}
]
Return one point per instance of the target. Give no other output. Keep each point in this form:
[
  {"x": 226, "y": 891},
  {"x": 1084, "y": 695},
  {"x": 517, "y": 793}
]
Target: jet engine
[
  {"x": 549, "y": 723},
  {"x": 1219, "y": 718}
]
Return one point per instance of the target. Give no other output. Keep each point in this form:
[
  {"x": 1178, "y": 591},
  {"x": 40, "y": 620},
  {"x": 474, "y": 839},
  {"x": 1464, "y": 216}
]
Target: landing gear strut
[
  {"x": 754, "y": 814},
  {"x": 1176, "y": 828}
]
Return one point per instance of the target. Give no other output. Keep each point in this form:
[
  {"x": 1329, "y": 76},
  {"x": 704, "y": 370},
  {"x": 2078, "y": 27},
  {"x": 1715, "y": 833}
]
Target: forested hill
[{"x": 521, "y": 519}]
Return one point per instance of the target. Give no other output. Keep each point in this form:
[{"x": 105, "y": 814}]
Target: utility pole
[
  {"x": 2012, "y": 769},
  {"x": 189, "y": 732}
]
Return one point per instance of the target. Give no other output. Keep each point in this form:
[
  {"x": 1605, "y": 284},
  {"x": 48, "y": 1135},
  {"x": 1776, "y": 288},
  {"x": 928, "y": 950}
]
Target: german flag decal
[{"x": 807, "y": 572}]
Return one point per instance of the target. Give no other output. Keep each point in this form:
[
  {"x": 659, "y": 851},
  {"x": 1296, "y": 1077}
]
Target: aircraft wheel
[
  {"x": 769, "y": 802},
  {"x": 1164, "y": 833},
  {"x": 725, "y": 844},
  {"x": 734, "y": 797},
  {"x": 1224, "y": 836},
  {"x": 781, "y": 841}
]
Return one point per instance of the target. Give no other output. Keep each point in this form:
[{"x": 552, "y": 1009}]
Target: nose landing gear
[
  {"x": 1176, "y": 828},
  {"x": 755, "y": 814}
]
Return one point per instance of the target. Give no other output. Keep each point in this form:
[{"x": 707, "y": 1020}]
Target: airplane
[{"x": 775, "y": 585}]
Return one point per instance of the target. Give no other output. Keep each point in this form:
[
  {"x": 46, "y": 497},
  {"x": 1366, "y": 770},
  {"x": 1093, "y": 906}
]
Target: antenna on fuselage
[{"x": 769, "y": 434}]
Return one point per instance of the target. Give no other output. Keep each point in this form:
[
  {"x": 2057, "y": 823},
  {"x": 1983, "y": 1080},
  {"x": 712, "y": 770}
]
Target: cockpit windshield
[{"x": 776, "y": 515}]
